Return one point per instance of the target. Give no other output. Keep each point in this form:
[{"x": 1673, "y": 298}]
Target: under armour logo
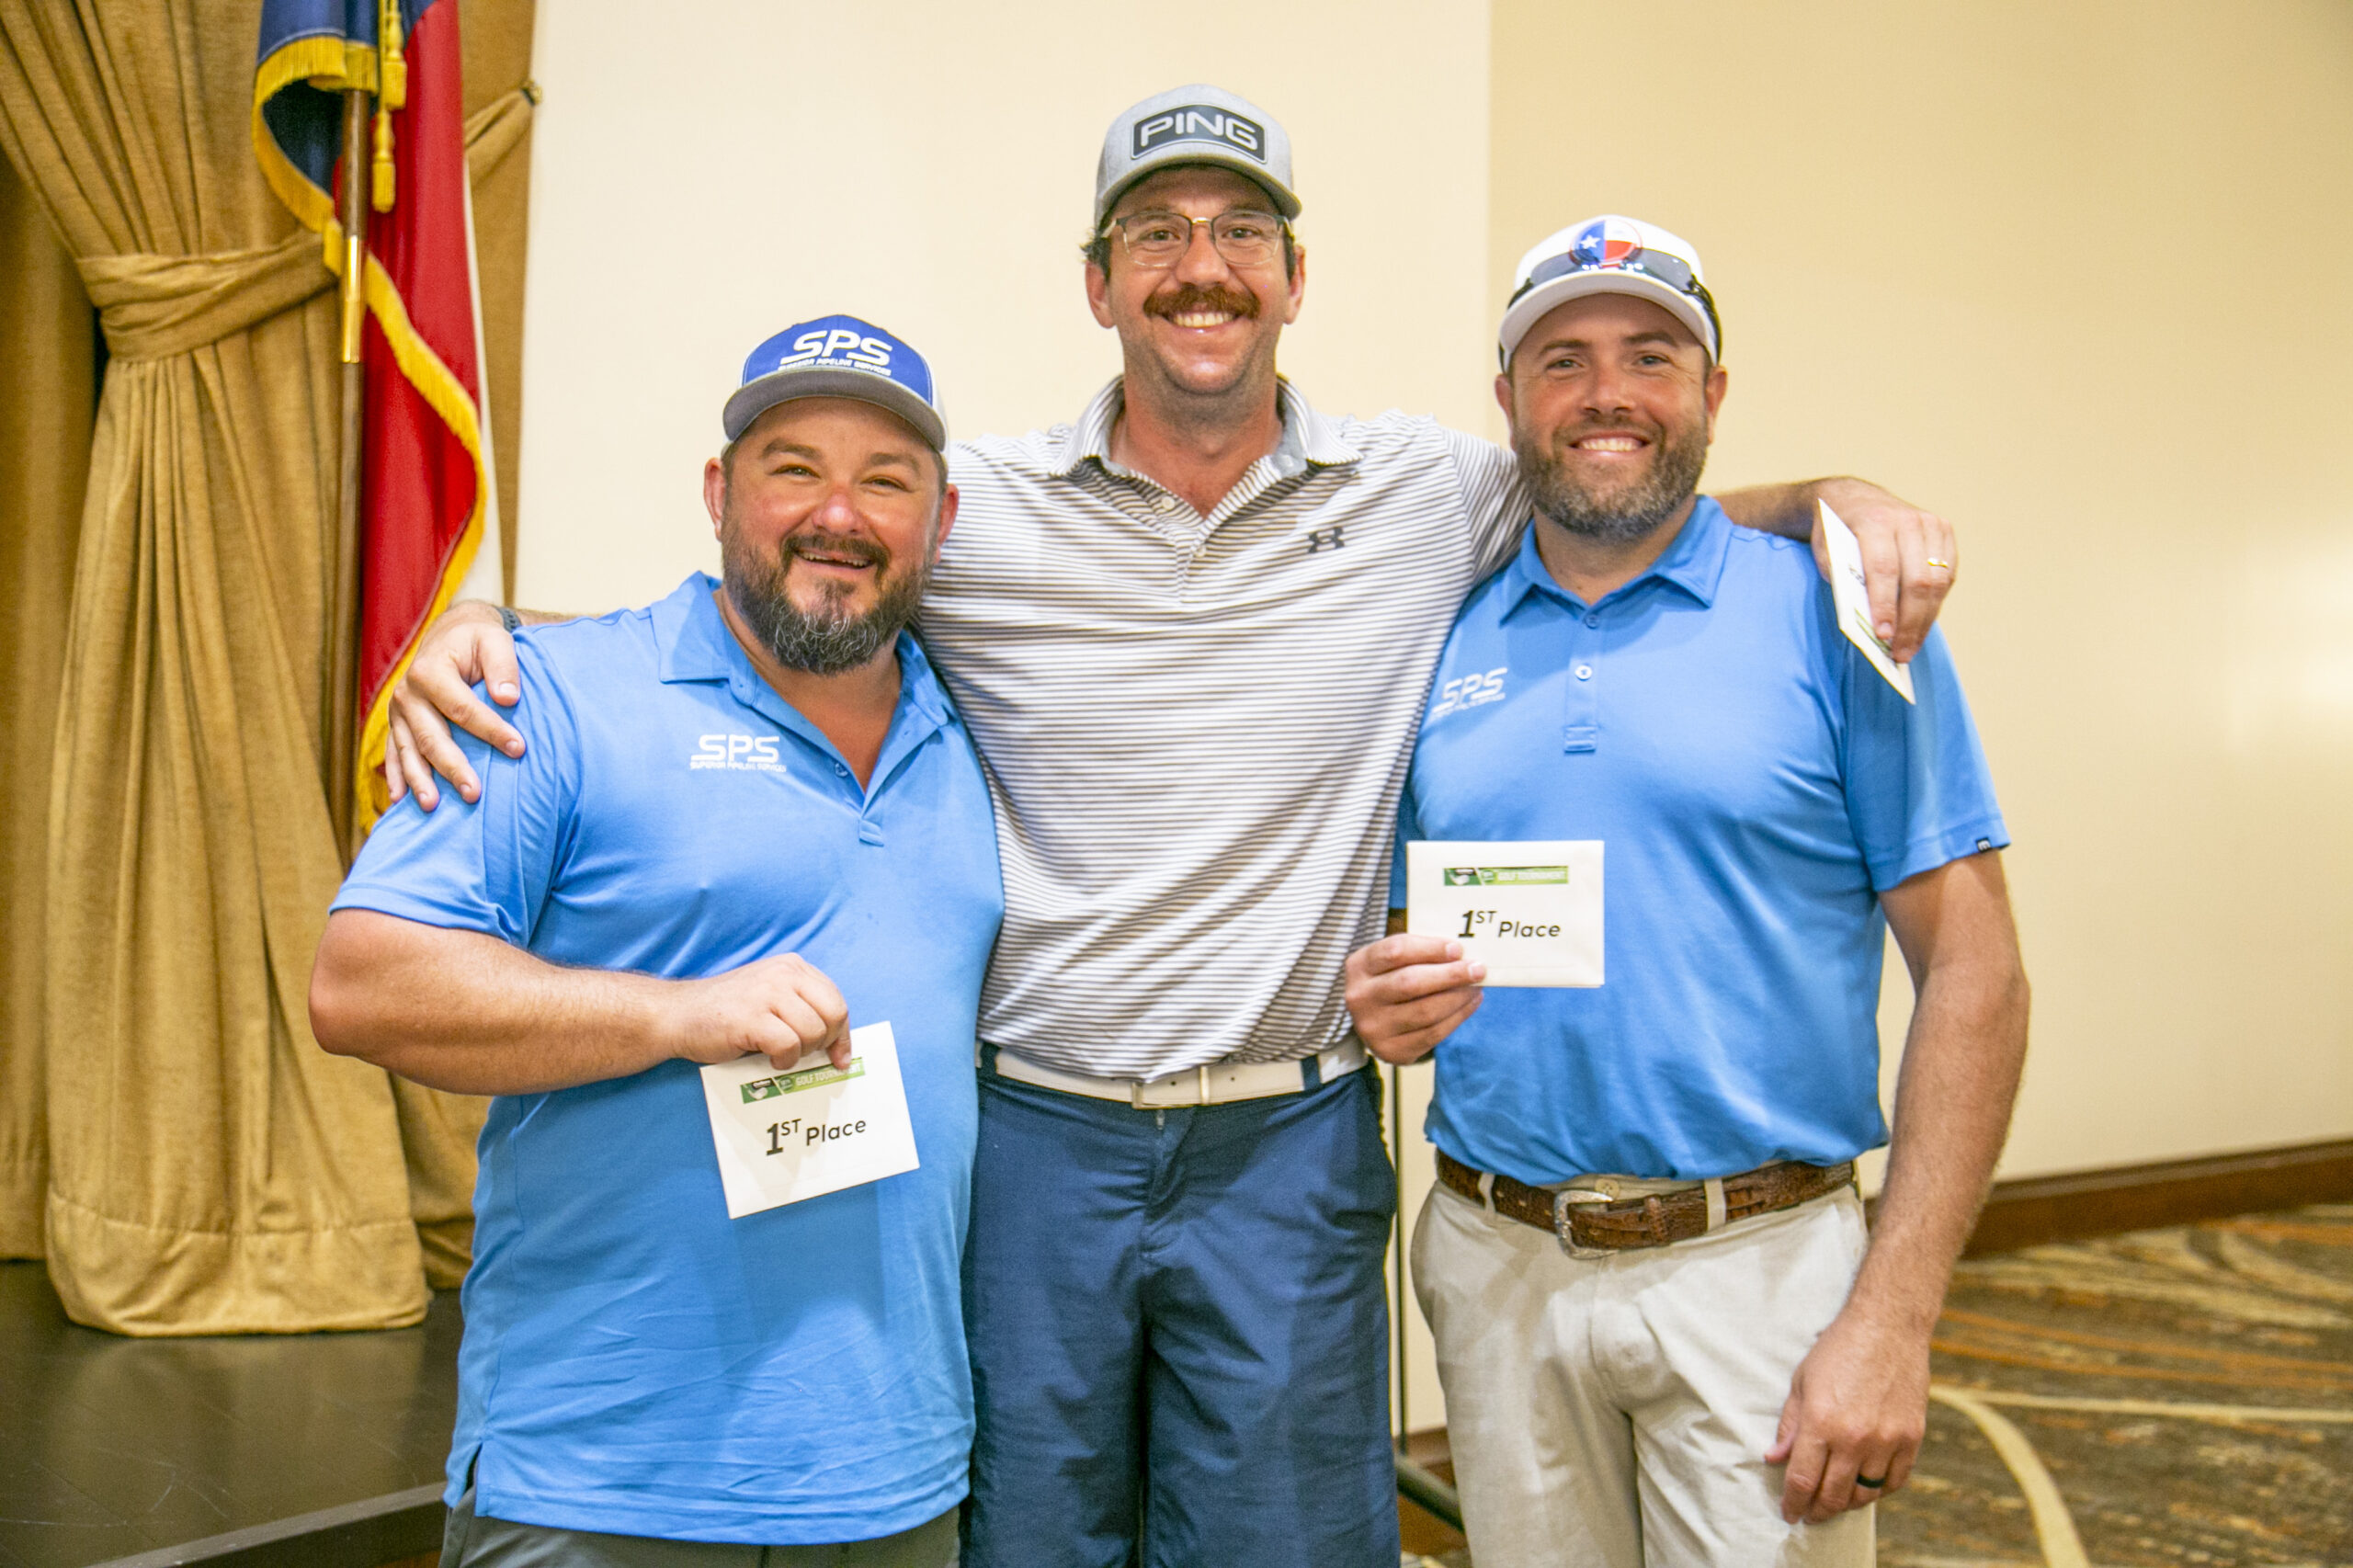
[{"x": 1332, "y": 537}]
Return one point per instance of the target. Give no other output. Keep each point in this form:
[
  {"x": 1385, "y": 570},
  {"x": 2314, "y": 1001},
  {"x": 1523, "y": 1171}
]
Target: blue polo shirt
[
  {"x": 1755, "y": 785},
  {"x": 635, "y": 1362}
]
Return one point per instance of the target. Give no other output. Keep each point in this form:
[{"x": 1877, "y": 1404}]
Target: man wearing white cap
[
  {"x": 747, "y": 811},
  {"x": 1665, "y": 1335},
  {"x": 1190, "y": 631}
]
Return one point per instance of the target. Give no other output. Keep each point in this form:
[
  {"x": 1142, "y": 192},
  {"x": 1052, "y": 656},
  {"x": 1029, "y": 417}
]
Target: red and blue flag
[{"x": 426, "y": 488}]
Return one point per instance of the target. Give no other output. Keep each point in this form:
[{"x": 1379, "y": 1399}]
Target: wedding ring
[
  {"x": 1874, "y": 1482},
  {"x": 1946, "y": 564}
]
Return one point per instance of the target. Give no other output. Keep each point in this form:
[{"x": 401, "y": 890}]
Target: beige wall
[
  {"x": 697, "y": 186},
  {"x": 701, "y": 184},
  {"x": 2081, "y": 277}
]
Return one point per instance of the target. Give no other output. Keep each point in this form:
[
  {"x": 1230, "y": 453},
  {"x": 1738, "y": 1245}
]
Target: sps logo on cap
[
  {"x": 1202, "y": 122},
  {"x": 838, "y": 345}
]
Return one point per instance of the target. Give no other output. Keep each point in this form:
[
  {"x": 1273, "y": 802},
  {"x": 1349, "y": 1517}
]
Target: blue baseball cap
[{"x": 838, "y": 357}]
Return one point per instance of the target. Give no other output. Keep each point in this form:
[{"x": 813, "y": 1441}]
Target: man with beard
[
  {"x": 1645, "y": 1263},
  {"x": 748, "y": 816},
  {"x": 1191, "y": 632}
]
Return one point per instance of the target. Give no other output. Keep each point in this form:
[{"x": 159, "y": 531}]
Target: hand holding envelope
[
  {"x": 1530, "y": 911},
  {"x": 783, "y": 1136},
  {"x": 1852, "y": 601},
  {"x": 1478, "y": 915}
]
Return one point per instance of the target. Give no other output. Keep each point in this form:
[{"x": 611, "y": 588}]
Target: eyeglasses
[
  {"x": 1157, "y": 241},
  {"x": 1671, "y": 271}
]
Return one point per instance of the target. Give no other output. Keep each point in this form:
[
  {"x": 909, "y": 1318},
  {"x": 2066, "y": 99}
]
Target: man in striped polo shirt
[{"x": 1191, "y": 634}]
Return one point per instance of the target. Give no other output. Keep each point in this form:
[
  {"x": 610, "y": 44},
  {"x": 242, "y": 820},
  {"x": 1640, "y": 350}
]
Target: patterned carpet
[{"x": 2169, "y": 1397}]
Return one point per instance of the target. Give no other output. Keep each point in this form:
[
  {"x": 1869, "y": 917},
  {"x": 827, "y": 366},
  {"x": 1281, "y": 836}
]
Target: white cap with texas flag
[{"x": 1610, "y": 255}]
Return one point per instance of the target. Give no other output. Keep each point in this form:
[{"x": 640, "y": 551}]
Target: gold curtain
[
  {"x": 48, "y": 343},
  {"x": 210, "y": 1169}
]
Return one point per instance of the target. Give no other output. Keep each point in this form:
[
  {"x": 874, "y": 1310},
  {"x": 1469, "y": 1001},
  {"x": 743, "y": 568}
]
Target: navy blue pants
[{"x": 1179, "y": 1332}]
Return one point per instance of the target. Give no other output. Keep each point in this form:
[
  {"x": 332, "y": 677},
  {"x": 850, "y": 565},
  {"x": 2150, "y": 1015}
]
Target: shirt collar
[
  {"x": 1694, "y": 562},
  {"x": 1308, "y": 438},
  {"x": 697, "y": 646}
]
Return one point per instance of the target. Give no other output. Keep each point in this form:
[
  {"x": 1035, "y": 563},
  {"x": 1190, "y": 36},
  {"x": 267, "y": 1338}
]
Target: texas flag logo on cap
[
  {"x": 1607, "y": 242},
  {"x": 1610, "y": 255}
]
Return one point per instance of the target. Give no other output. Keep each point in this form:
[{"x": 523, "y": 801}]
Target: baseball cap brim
[
  {"x": 1181, "y": 154},
  {"x": 1545, "y": 298},
  {"x": 754, "y": 398}
]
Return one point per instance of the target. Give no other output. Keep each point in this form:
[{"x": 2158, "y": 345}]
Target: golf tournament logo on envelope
[
  {"x": 810, "y": 1078},
  {"x": 1505, "y": 876}
]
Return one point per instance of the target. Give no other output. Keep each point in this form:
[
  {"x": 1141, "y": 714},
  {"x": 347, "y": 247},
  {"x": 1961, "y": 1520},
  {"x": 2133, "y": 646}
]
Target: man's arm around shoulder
[
  {"x": 1859, "y": 1404},
  {"x": 1909, "y": 555},
  {"x": 467, "y": 643},
  {"x": 463, "y": 1011}
]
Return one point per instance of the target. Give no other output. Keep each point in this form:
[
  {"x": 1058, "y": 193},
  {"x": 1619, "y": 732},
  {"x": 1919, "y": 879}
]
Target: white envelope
[
  {"x": 786, "y": 1134},
  {"x": 1530, "y": 911},
  {"x": 1852, "y": 601}
]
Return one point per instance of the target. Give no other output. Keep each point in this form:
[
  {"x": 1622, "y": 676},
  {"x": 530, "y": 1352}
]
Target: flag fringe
[{"x": 439, "y": 386}]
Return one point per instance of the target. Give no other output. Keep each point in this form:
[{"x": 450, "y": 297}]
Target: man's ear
[
  {"x": 947, "y": 520},
  {"x": 1502, "y": 394},
  {"x": 714, "y": 491},
  {"x": 1296, "y": 293},
  {"x": 1098, "y": 294},
  {"x": 1717, "y": 383}
]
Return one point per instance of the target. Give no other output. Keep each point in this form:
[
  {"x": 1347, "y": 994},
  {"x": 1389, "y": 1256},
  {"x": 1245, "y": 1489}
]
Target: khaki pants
[{"x": 1614, "y": 1412}]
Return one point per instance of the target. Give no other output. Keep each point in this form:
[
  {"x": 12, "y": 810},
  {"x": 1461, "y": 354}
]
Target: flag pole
[{"x": 343, "y": 609}]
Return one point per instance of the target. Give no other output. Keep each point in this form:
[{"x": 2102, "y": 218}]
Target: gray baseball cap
[{"x": 1199, "y": 124}]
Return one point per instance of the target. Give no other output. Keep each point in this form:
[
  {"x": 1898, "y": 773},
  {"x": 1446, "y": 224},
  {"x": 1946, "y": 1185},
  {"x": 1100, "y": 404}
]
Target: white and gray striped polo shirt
[{"x": 1195, "y": 727}]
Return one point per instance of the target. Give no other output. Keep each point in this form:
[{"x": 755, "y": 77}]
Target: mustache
[
  {"x": 1189, "y": 297},
  {"x": 849, "y": 547},
  {"x": 1647, "y": 431}
]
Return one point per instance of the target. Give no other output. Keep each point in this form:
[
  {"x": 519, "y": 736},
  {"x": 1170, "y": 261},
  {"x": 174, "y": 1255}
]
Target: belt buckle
[{"x": 1565, "y": 1202}]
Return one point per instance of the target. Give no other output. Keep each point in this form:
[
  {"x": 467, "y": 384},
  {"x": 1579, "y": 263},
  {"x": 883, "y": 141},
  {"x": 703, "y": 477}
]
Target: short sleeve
[
  {"x": 484, "y": 865},
  {"x": 1493, "y": 500},
  {"x": 1409, "y": 828},
  {"x": 1918, "y": 792}
]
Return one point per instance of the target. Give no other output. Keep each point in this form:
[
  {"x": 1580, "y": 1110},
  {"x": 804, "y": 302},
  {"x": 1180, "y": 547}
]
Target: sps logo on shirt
[
  {"x": 1470, "y": 691},
  {"x": 738, "y": 753}
]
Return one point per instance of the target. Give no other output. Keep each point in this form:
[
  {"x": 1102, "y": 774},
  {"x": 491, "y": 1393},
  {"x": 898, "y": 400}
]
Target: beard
[
  {"x": 830, "y": 638},
  {"x": 1629, "y": 513}
]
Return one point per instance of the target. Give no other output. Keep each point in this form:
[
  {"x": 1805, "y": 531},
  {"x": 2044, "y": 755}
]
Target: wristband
[{"x": 509, "y": 619}]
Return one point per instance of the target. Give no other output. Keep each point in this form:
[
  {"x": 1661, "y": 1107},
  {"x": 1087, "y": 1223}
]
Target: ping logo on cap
[
  {"x": 1202, "y": 122},
  {"x": 838, "y": 345},
  {"x": 1607, "y": 242}
]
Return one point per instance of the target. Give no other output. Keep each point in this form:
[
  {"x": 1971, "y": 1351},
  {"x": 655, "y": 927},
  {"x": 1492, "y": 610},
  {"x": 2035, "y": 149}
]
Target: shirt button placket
[{"x": 1581, "y": 723}]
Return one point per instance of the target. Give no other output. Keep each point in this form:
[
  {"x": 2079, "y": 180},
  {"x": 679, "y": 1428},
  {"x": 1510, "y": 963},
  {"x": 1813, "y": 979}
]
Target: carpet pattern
[{"x": 2169, "y": 1397}]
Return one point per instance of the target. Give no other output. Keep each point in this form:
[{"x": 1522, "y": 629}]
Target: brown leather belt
[{"x": 1587, "y": 1218}]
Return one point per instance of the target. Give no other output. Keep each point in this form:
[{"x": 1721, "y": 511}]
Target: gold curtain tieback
[
  {"x": 154, "y": 307},
  {"x": 497, "y": 129}
]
